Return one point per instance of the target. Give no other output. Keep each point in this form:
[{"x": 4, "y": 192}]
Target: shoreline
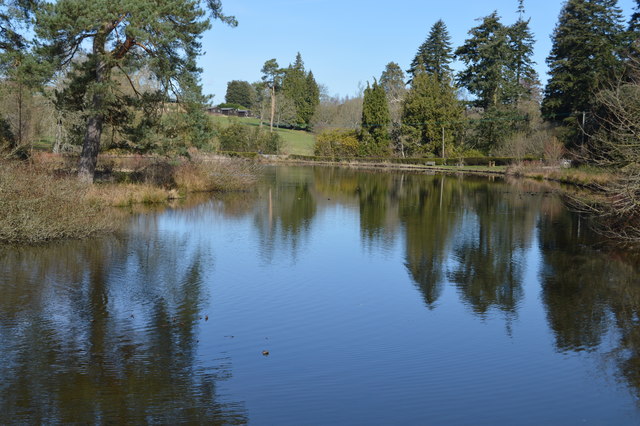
[{"x": 570, "y": 176}]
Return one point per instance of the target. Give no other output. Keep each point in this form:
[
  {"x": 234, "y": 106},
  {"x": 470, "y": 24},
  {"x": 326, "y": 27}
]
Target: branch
[
  {"x": 130, "y": 82},
  {"x": 123, "y": 49},
  {"x": 145, "y": 48}
]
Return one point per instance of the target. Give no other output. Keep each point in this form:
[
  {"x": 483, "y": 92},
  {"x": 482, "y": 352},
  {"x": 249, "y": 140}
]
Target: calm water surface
[{"x": 380, "y": 298}]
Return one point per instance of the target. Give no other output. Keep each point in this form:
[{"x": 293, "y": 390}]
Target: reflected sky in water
[{"x": 381, "y": 299}]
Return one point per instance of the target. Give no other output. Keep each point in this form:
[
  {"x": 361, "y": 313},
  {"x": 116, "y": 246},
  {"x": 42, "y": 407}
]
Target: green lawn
[{"x": 293, "y": 141}]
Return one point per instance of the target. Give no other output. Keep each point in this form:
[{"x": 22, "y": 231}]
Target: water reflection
[
  {"x": 107, "y": 331},
  {"x": 430, "y": 214},
  {"x": 111, "y": 329},
  {"x": 490, "y": 252},
  {"x": 478, "y": 236},
  {"x": 591, "y": 293}
]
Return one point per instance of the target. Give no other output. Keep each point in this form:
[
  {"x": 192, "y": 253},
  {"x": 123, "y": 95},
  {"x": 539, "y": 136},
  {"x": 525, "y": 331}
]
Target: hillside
[{"x": 293, "y": 141}]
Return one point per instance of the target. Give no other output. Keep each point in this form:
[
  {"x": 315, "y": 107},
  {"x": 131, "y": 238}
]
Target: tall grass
[
  {"x": 216, "y": 175},
  {"x": 37, "y": 206}
]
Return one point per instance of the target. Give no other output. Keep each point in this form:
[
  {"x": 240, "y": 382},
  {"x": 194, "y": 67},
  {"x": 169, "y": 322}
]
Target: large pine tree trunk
[
  {"x": 90, "y": 148},
  {"x": 93, "y": 133}
]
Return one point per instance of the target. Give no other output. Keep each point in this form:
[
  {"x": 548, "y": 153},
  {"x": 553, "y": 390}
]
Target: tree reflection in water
[
  {"x": 109, "y": 329},
  {"x": 106, "y": 331},
  {"x": 592, "y": 293}
]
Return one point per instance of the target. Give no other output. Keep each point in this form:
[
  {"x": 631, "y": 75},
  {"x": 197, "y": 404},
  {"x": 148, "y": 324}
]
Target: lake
[{"x": 329, "y": 296}]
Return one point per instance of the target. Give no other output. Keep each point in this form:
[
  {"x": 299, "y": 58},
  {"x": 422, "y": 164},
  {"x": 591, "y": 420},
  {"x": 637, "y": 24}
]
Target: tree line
[
  {"x": 284, "y": 96},
  {"x": 496, "y": 105},
  {"x": 122, "y": 75}
]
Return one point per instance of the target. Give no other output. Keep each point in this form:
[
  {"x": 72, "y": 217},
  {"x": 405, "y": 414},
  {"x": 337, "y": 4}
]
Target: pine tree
[
  {"x": 22, "y": 73},
  {"x": 521, "y": 43},
  {"x": 374, "y": 135},
  {"x": 587, "y": 42},
  {"x": 434, "y": 55},
  {"x": 431, "y": 107},
  {"x": 123, "y": 36},
  {"x": 272, "y": 79},
  {"x": 486, "y": 55},
  {"x": 14, "y": 17}
]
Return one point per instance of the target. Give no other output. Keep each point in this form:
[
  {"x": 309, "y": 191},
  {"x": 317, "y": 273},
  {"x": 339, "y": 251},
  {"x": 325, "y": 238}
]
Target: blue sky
[{"x": 348, "y": 42}]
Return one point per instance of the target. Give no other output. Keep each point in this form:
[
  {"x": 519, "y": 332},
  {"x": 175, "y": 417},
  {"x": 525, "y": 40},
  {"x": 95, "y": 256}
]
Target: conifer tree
[
  {"x": 272, "y": 79},
  {"x": 521, "y": 43},
  {"x": 486, "y": 55},
  {"x": 301, "y": 88},
  {"x": 434, "y": 55},
  {"x": 312, "y": 99},
  {"x": 392, "y": 81},
  {"x": 633, "y": 36},
  {"x": 14, "y": 17},
  {"x": 374, "y": 135},
  {"x": 20, "y": 70},
  {"x": 123, "y": 36},
  {"x": 587, "y": 42},
  {"x": 294, "y": 86},
  {"x": 634, "y": 21},
  {"x": 431, "y": 107}
]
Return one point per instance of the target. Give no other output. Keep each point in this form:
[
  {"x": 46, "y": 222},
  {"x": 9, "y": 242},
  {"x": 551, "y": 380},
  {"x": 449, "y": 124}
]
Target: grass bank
[
  {"x": 295, "y": 142},
  {"x": 43, "y": 202},
  {"x": 593, "y": 178},
  {"x": 161, "y": 181},
  {"x": 39, "y": 205}
]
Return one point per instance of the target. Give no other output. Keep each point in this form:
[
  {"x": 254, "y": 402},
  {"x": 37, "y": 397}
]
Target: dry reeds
[
  {"x": 221, "y": 175},
  {"x": 37, "y": 206}
]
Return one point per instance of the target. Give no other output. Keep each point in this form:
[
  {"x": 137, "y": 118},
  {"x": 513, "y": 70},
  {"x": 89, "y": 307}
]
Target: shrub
[
  {"x": 337, "y": 143},
  {"x": 241, "y": 138}
]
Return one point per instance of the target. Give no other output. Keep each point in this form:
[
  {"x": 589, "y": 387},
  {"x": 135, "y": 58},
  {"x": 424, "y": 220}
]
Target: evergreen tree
[
  {"x": 312, "y": 100},
  {"x": 633, "y": 39},
  {"x": 521, "y": 43},
  {"x": 486, "y": 55},
  {"x": 14, "y": 18},
  {"x": 240, "y": 93},
  {"x": 434, "y": 55},
  {"x": 123, "y": 36},
  {"x": 634, "y": 21},
  {"x": 22, "y": 73},
  {"x": 585, "y": 56},
  {"x": 301, "y": 87},
  {"x": 374, "y": 135},
  {"x": 392, "y": 81},
  {"x": 272, "y": 79},
  {"x": 429, "y": 108},
  {"x": 294, "y": 86}
]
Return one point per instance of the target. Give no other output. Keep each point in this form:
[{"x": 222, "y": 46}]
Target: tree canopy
[
  {"x": 434, "y": 56},
  {"x": 240, "y": 93},
  {"x": 101, "y": 39},
  {"x": 375, "y": 121},
  {"x": 585, "y": 55}
]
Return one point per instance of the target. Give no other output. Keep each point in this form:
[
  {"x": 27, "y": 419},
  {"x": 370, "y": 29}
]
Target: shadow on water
[{"x": 106, "y": 331}]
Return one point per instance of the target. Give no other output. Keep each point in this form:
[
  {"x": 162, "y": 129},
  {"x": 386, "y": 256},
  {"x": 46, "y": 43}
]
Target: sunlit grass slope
[{"x": 293, "y": 141}]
